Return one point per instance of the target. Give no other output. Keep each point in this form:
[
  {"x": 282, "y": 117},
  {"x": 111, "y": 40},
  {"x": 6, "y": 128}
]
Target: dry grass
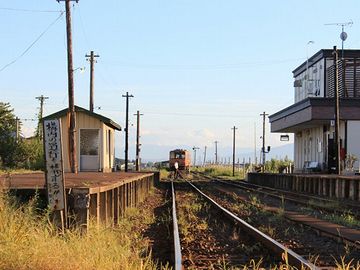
[
  {"x": 29, "y": 241},
  {"x": 164, "y": 174},
  {"x": 17, "y": 171}
]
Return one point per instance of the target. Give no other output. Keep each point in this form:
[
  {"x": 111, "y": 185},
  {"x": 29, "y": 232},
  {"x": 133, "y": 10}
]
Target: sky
[{"x": 195, "y": 68}]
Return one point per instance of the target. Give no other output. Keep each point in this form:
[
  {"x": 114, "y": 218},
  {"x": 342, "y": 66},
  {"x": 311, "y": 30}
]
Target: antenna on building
[
  {"x": 343, "y": 34},
  {"x": 307, "y": 68}
]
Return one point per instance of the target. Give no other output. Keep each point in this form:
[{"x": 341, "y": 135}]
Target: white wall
[
  {"x": 353, "y": 142},
  {"x": 314, "y": 87},
  {"x": 309, "y": 145}
]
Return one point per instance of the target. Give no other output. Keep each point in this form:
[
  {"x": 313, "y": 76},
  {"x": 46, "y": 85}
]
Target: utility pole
[
  {"x": 17, "y": 123},
  {"x": 255, "y": 158},
  {"x": 216, "y": 152},
  {"x": 137, "y": 162},
  {"x": 337, "y": 113},
  {"x": 91, "y": 59},
  {"x": 244, "y": 167},
  {"x": 205, "y": 155},
  {"x": 72, "y": 118},
  {"x": 39, "y": 130},
  {"x": 195, "y": 148},
  {"x": 233, "y": 169},
  {"x": 263, "y": 141},
  {"x": 127, "y": 96}
]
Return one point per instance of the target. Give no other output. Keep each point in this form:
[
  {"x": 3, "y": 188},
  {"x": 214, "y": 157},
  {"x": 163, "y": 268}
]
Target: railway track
[
  {"x": 336, "y": 231},
  {"x": 314, "y": 202},
  {"x": 268, "y": 245},
  {"x": 299, "y": 198}
]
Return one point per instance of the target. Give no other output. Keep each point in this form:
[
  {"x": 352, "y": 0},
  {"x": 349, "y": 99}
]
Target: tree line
[{"x": 17, "y": 152}]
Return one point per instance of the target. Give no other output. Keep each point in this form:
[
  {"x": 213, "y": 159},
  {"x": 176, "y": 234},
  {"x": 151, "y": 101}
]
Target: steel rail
[
  {"x": 177, "y": 247},
  {"x": 335, "y": 235},
  {"x": 267, "y": 241}
]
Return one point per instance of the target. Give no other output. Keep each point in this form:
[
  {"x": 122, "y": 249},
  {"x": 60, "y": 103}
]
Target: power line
[
  {"x": 204, "y": 67},
  {"x": 201, "y": 115},
  {"x": 185, "y": 114},
  {"x": 31, "y": 10},
  {"x": 33, "y": 43}
]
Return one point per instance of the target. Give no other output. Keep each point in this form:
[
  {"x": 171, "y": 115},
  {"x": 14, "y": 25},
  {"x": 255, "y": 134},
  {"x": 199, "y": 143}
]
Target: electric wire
[
  {"x": 203, "y": 67},
  {"x": 32, "y": 44},
  {"x": 31, "y": 10}
]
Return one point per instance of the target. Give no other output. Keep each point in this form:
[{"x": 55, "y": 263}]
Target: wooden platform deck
[
  {"x": 103, "y": 196},
  {"x": 92, "y": 181}
]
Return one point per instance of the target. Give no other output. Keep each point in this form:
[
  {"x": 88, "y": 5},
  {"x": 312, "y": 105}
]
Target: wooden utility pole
[
  {"x": 91, "y": 59},
  {"x": 72, "y": 117},
  {"x": 127, "y": 96},
  {"x": 233, "y": 165},
  {"x": 138, "y": 162},
  {"x": 263, "y": 141},
  {"x": 216, "y": 152},
  {"x": 39, "y": 131},
  {"x": 337, "y": 112}
]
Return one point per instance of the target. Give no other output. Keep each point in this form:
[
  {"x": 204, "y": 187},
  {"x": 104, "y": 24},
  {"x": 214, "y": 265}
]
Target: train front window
[{"x": 179, "y": 156}]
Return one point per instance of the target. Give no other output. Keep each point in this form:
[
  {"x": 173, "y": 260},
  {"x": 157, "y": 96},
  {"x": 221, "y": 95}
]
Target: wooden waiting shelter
[{"x": 95, "y": 140}]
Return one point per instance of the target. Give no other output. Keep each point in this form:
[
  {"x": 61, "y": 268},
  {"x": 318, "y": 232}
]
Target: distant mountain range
[{"x": 154, "y": 153}]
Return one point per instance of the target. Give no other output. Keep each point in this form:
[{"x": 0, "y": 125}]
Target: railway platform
[
  {"x": 329, "y": 185},
  {"x": 101, "y": 196}
]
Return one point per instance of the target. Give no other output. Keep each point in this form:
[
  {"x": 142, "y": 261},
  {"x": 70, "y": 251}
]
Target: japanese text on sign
[{"x": 54, "y": 166}]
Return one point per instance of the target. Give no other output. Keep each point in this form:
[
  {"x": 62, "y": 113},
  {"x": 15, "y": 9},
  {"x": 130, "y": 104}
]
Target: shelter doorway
[{"x": 89, "y": 150}]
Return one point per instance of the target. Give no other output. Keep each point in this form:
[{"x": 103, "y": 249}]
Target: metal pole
[
  {"x": 233, "y": 165},
  {"x": 216, "y": 142},
  {"x": 263, "y": 141},
  {"x": 244, "y": 168},
  {"x": 205, "y": 156},
  {"x": 337, "y": 113},
  {"x": 195, "y": 148},
  {"x": 255, "y": 158},
  {"x": 194, "y": 157},
  {"x": 137, "y": 162}
]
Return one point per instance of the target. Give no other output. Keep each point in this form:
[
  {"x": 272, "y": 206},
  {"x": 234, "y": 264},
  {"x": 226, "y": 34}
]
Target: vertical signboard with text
[{"x": 55, "y": 182}]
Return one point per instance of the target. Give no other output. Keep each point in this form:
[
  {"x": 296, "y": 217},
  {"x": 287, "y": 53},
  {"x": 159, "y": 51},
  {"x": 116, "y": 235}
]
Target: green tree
[
  {"x": 8, "y": 145},
  {"x": 17, "y": 153}
]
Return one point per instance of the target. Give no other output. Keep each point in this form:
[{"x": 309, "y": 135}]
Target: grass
[
  {"x": 29, "y": 241},
  {"x": 224, "y": 172},
  {"x": 17, "y": 171},
  {"x": 164, "y": 173},
  {"x": 346, "y": 218}
]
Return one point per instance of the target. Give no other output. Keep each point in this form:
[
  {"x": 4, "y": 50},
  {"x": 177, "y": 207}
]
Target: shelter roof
[{"x": 102, "y": 118}]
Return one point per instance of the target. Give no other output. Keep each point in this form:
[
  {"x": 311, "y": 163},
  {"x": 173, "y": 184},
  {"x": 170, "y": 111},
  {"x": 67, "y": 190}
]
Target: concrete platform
[
  {"x": 103, "y": 196},
  {"x": 330, "y": 185}
]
